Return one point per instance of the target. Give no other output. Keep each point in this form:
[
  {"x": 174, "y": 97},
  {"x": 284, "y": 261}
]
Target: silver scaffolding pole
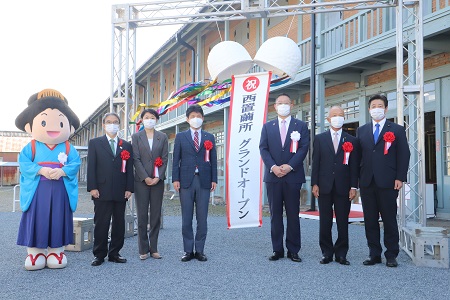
[{"x": 410, "y": 100}]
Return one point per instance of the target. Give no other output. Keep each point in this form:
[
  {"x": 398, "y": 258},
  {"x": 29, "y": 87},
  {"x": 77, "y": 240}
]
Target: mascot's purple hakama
[{"x": 48, "y": 180}]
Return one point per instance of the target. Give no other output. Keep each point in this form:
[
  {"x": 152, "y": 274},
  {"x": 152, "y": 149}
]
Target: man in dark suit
[
  {"x": 110, "y": 185},
  {"x": 194, "y": 176},
  {"x": 283, "y": 146},
  {"x": 384, "y": 166},
  {"x": 334, "y": 180}
]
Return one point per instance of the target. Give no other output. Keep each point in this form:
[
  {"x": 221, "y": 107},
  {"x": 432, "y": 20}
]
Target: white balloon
[
  {"x": 280, "y": 55},
  {"x": 228, "y": 58}
]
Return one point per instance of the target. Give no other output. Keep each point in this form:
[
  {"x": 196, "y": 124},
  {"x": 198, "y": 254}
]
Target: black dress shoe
[
  {"x": 187, "y": 256},
  {"x": 97, "y": 261},
  {"x": 200, "y": 256},
  {"x": 117, "y": 259},
  {"x": 371, "y": 260},
  {"x": 391, "y": 262},
  {"x": 326, "y": 260},
  {"x": 294, "y": 257},
  {"x": 276, "y": 255},
  {"x": 342, "y": 261}
]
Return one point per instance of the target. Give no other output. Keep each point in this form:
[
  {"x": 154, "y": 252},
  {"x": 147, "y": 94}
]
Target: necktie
[
  {"x": 283, "y": 132},
  {"x": 335, "y": 142},
  {"x": 113, "y": 148},
  {"x": 196, "y": 141},
  {"x": 376, "y": 133}
]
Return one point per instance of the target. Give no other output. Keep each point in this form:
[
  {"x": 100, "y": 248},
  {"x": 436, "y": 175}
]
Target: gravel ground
[{"x": 237, "y": 267}]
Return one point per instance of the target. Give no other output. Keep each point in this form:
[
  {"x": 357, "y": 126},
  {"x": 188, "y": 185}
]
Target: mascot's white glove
[{"x": 57, "y": 173}]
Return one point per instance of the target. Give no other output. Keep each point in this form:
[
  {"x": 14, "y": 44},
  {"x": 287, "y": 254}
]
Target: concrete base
[
  {"x": 427, "y": 246},
  {"x": 83, "y": 234}
]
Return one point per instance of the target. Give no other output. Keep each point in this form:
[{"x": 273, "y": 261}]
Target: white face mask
[
  {"x": 337, "y": 121},
  {"x": 112, "y": 128},
  {"x": 283, "y": 109},
  {"x": 149, "y": 123},
  {"x": 377, "y": 113},
  {"x": 196, "y": 122}
]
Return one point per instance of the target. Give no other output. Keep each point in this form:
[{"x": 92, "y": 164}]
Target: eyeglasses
[{"x": 112, "y": 122}]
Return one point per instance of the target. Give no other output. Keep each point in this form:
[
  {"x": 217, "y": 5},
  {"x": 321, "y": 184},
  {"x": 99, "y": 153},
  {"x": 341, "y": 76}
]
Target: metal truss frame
[
  {"x": 410, "y": 100},
  {"x": 126, "y": 18},
  {"x": 170, "y": 12}
]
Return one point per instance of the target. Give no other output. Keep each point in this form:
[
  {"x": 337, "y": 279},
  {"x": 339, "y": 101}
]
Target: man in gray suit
[{"x": 194, "y": 176}]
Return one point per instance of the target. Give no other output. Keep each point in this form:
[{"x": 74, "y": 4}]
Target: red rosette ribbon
[
  {"x": 348, "y": 148},
  {"x": 158, "y": 163},
  {"x": 208, "y": 146},
  {"x": 389, "y": 138},
  {"x": 124, "y": 155}
]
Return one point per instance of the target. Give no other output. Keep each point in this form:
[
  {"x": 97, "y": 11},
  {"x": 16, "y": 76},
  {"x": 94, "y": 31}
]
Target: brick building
[
  {"x": 11, "y": 143},
  {"x": 355, "y": 58}
]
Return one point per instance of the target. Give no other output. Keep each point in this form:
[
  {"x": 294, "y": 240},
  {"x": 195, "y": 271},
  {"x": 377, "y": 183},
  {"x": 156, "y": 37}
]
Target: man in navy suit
[
  {"x": 194, "y": 176},
  {"x": 384, "y": 166},
  {"x": 110, "y": 188},
  {"x": 283, "y": 146},
  {"x": 334, "y": 179}
]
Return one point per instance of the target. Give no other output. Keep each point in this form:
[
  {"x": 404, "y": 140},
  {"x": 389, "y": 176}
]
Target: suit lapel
[
  {"x": 202, "y": 141},
  {"x": 368, "y": 136},
  {"x": 156, "y": 143},
  {"x": 118, "y": 149},
  {"x": 276, "y": 131},
  {"x": 292, "y": 125},
  {"x": 105, "y": 143},
  {"x": 144, "y": 141},
  {"x": 386, "y": 128},
  {"x": 188, "y": 136},
  {"x": 342, "y": 141},
  {"x": 329, "y": 141}
]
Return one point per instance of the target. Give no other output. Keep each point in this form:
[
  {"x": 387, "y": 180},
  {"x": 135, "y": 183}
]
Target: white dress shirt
[
  {"x": 199, "y": 135},
  {"x": 339, "y": 133},
  {"x": 382, "y": 122},
  {"x": 115, "y": 142}
]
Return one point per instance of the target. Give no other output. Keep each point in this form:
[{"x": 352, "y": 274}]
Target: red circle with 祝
[{"x": 250, "y": 84}]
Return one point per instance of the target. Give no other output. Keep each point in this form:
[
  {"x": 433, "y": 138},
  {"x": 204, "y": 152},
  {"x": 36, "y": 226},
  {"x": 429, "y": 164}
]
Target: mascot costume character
[{"x": 48, "y": 180}]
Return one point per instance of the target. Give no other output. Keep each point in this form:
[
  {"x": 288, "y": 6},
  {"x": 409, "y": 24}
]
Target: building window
[
  {"x": 351, "y": 109},
  {"x": 219, "y": 136},
  {"x": 306, "y": 117},
  {"x": 446, "y": 145},
  {"x": 429, "y": 92}
]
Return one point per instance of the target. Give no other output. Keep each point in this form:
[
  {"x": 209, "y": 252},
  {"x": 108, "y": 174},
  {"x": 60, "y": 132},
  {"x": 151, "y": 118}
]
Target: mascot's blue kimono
[{"x": 48, "y": 180}]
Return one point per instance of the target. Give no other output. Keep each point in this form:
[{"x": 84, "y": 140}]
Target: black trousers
[
  {"x": 284, "y": 194},
  {"x": 377, "y": 201},
  {"x": 106, "y": 213},
  {"x": 341, "y": 206}
]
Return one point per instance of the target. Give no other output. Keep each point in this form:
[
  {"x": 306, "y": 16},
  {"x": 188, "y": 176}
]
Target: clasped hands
[
  {"x": 151, "y": 181},
  {"x": 52, "y": 174},
  {"x": 281, "y": 171}
]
